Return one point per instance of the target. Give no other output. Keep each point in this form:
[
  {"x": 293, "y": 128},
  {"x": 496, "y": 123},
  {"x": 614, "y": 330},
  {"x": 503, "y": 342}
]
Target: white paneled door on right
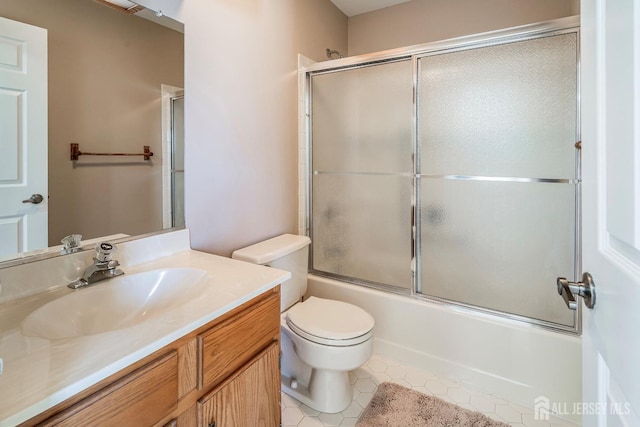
[
  {"x": 611, "y": 211},
  {"x": 23, "y": 138}
]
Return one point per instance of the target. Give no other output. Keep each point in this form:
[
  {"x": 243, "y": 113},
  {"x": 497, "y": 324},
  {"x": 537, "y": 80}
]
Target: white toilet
[{"x": 322, "y": 340}]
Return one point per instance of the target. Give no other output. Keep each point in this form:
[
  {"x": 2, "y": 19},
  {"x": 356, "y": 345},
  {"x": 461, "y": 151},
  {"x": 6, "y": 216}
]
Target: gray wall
[
  {"x": 241, "y": 112},
  {"x": 241, "y": 99},
  {"x": 422, "y": 21}
]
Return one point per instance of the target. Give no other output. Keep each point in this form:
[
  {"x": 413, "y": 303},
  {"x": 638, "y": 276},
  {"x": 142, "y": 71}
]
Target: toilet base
[{"x": 328, "y": 391}]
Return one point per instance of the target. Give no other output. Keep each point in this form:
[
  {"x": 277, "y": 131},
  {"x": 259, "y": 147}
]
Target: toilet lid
[{"x": 330, "y": 322}]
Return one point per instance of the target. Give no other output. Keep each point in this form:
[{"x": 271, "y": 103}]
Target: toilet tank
[{"x": 288, "y": 252}]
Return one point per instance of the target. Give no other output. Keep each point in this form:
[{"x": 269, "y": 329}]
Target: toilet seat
[{"x": 329, "y": 322}]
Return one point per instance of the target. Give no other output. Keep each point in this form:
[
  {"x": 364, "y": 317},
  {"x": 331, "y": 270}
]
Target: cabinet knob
[{"x": 212, "y": 424}]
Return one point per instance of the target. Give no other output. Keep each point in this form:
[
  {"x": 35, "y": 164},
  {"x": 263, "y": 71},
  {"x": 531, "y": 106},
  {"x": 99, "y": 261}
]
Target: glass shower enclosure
[
  {"x": 451, "y": 171},
  {"x": 177, "y": 161}
]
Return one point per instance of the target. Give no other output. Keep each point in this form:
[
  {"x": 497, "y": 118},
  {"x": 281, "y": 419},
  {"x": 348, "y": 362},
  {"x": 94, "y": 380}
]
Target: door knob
[
  {"x": 585, "y": 289},
  {"x": 35, "y": 199}
]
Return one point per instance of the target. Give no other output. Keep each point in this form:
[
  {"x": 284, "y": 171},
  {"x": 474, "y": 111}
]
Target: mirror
[{"x": 114, "y": 85}]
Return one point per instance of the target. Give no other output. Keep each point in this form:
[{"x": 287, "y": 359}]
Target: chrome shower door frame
[{"x": 414, "y": 53}]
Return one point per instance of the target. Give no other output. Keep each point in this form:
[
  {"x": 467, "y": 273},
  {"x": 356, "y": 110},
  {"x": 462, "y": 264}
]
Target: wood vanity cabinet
[{"x": 224, "y": 374}]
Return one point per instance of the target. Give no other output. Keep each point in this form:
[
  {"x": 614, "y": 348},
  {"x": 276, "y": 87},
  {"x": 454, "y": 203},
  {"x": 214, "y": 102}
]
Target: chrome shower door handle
[
  {"x": 35, "y": 199},
  {"x": 585, "y": 289}
]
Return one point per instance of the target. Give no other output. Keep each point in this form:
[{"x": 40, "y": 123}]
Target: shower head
[{"x": 333, "y": 52}]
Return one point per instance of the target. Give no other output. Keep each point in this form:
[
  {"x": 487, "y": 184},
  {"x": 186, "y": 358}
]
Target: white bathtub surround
[
  {"x": 40, "y": 373},
  {"x": 503, "y": 357}
]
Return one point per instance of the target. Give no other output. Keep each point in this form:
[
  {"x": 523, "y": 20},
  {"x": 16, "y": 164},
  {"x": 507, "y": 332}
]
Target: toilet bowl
[
  {"x": 321, "y": 340},
  {"x": 324, "y": 340}
]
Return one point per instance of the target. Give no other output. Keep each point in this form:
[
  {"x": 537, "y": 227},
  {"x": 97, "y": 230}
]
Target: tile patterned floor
[{"x": 377, "y": 370}]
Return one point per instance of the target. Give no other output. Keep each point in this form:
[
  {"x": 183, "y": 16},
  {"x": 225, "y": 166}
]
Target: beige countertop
[{"x": 39, "y": 373}]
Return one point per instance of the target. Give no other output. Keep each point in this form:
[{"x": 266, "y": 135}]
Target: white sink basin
[{"x": 115, "y": 304}]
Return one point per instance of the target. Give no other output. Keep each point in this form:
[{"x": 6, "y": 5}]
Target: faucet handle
[
  {"x": 104, "y": 251},
  {"x": 71, "y": 243}
]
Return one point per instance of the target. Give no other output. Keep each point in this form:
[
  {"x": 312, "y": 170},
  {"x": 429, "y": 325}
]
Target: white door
[
  {"x": 23, "y": 137},
  {"x": 611, "y": 210}
]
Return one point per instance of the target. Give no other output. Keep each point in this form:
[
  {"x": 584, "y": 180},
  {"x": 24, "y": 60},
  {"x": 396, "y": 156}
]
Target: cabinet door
[
  {"x": 140, "y": 398},
  {"x": 229, "y": 345},
  {"x": 250, "y": 398}
]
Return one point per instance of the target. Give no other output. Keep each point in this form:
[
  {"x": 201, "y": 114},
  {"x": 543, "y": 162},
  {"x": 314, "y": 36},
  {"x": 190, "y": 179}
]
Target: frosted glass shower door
[
  {"x": 362, "y": 165},
  {"x": 497, "y": 187}
]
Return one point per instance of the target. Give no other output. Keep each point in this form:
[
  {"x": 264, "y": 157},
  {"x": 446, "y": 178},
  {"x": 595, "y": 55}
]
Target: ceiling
[
  {"x": 356, "y": 7},
  {"x": 348, "y": 7},
  {"x": 141, "y": 11}
]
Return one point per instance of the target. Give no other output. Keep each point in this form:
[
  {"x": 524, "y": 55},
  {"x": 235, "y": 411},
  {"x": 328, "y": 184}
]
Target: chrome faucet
[{"x": 103, "y": 267}]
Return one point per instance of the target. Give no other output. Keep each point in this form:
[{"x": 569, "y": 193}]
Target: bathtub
[{"x": 504, "y": 357}]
